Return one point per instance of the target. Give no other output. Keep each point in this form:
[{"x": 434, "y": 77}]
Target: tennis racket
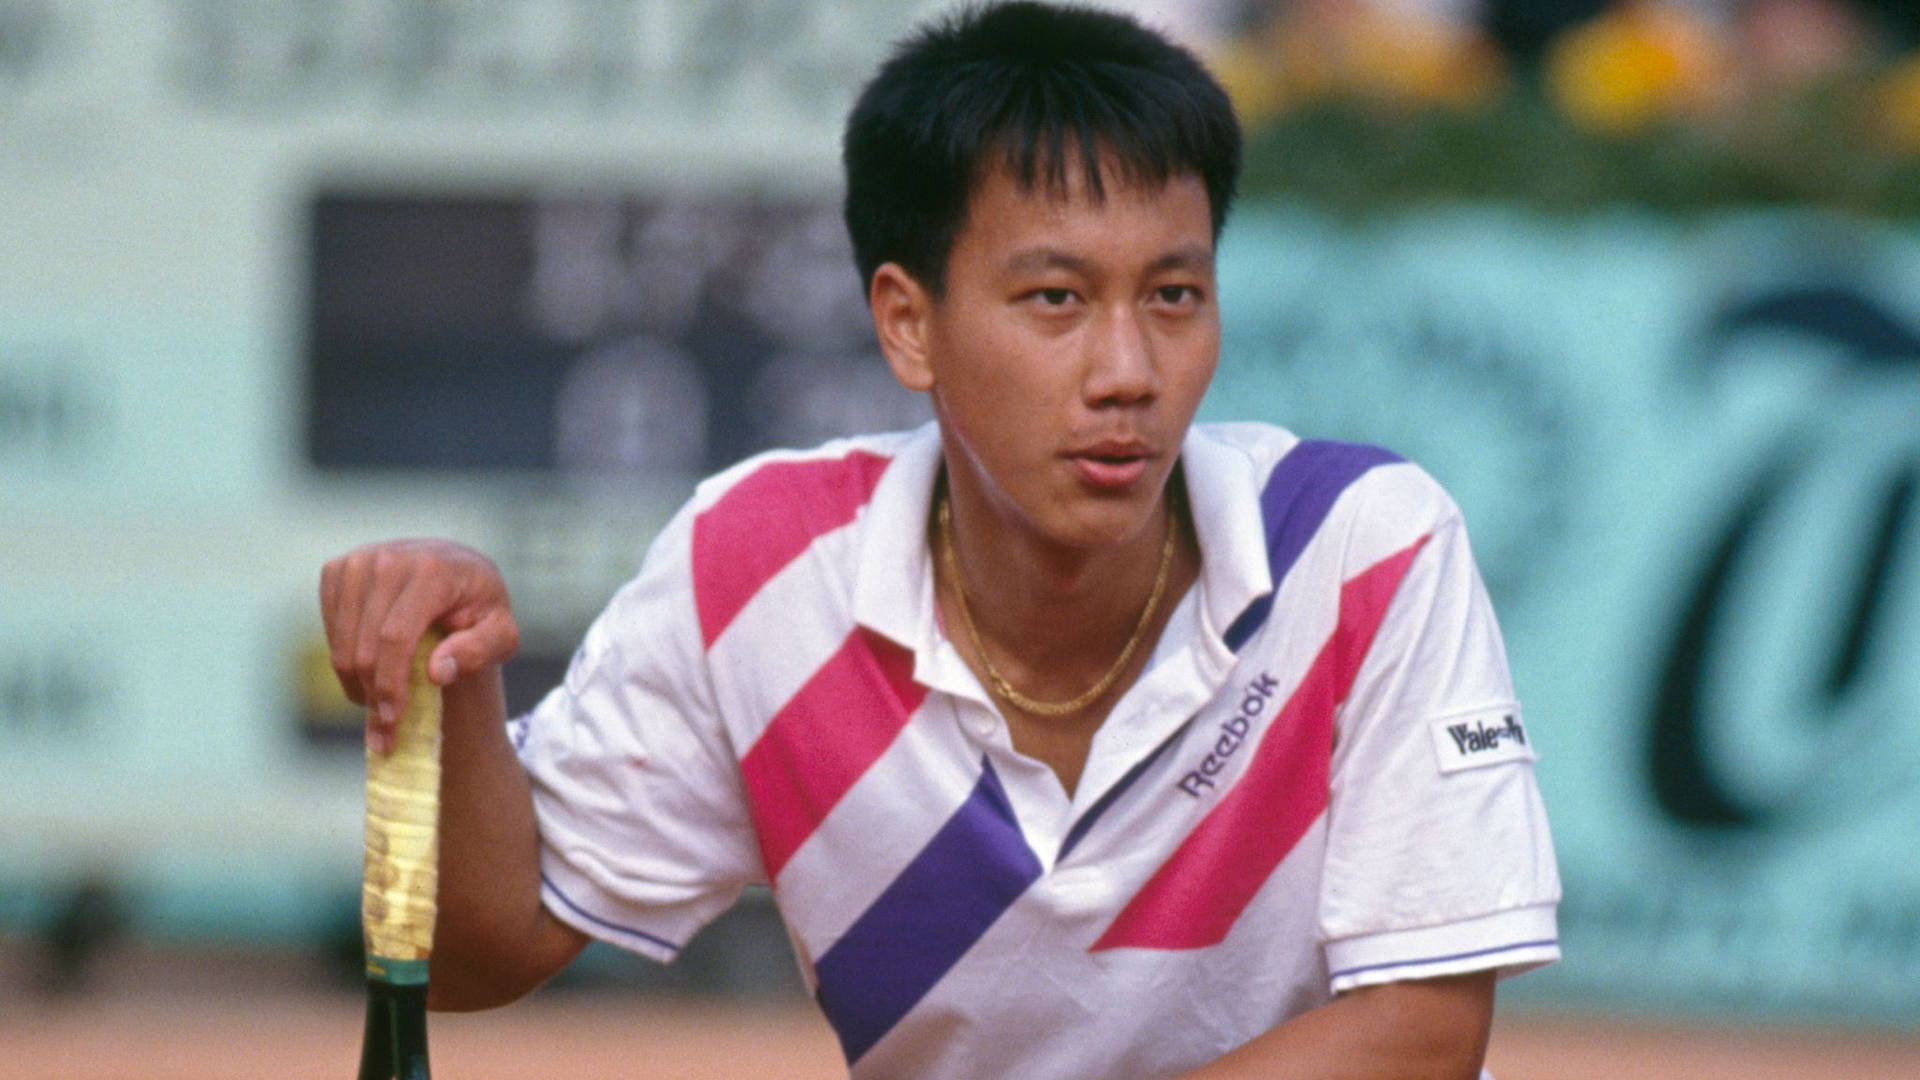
[{"x": 397, "y": 895}]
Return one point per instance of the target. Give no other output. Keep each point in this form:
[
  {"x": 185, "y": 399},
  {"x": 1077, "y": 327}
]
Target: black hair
[{"x": 1023, "y": 86}]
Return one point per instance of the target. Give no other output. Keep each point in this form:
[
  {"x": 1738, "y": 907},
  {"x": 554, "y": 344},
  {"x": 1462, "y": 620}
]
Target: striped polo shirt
[{"x": 1320, "y": 781}]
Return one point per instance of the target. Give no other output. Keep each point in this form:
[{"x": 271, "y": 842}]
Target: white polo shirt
[{"x": 1321, "y": 781}]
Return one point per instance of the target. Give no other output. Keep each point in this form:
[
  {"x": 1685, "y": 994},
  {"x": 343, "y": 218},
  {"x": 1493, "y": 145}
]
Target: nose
[{"x": 1120, "y": 363}]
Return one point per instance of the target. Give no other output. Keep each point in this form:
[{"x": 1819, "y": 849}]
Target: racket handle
[{"x": 399, "y": 888}]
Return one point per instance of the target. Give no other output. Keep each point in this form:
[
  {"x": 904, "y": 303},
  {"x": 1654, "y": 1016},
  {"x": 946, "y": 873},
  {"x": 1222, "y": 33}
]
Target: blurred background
[{"x": 1638, "y": 280}]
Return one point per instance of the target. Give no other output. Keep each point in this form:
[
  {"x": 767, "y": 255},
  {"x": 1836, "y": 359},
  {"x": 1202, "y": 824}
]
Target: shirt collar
[
  {"x": 893, "y": 583},
  {"x": 1223, "y": 495},
  {"x": 893, "y": 589}
]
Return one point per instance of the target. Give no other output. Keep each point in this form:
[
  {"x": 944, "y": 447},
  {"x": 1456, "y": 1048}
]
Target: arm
[
  {"x": 493, "y": 941},
  {"x": 1432, "y": 1029},
  {"x": 1431, "y": 854}
]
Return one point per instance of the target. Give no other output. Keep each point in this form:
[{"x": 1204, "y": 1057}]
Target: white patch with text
[{"x": 1482, "y": 737}]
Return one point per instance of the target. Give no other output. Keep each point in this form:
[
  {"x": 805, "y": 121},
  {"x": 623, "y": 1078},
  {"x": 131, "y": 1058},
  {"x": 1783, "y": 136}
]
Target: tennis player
[{"x": 1074, "y": 739}]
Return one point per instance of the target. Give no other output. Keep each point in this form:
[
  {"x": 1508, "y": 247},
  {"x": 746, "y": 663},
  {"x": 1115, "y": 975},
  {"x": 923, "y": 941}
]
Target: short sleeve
[
  {"x": 1439, "y": 860},
  {"x": 644, "y": 832}
]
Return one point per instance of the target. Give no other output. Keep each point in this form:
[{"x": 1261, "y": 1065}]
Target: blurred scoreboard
[{"x": 610, "y": 340}]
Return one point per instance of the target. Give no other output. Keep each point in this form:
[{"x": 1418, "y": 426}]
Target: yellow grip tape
[{"x": 398, "y": 892}]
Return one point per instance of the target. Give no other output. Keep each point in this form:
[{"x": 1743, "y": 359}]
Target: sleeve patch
[{"x": 1483, "y": 737}]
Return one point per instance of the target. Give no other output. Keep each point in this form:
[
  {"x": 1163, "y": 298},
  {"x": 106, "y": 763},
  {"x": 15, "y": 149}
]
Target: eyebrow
[{"x": 1045, "y": 258}]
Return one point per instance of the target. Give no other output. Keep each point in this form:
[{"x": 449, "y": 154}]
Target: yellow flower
[
  {"x": 1635, "y": 65},
  {"x": 1358, "y": 49},
  {"x": 1897, "y": 105}
]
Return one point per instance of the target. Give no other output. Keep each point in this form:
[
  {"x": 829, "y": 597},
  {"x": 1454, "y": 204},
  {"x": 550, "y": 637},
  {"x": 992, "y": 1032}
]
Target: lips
[{"x": 1112, "y": 464}]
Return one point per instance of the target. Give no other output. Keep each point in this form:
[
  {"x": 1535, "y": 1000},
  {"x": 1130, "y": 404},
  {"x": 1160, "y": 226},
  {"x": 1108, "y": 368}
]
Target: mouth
[{"x": 1114, "y": 464}]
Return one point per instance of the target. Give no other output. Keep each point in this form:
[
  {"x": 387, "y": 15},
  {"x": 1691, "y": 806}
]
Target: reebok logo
[
  {"x": 1482, "y": 738},
  {"x": 1233, "y": 733}
]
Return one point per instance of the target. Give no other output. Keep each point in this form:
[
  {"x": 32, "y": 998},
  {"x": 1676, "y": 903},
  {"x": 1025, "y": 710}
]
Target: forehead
[{"x": 1121, "y": 215}]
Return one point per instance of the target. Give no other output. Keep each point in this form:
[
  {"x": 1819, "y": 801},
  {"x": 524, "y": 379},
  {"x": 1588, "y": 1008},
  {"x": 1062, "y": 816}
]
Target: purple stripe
[
  {"x": 1300, "y": 493},
  {"x": 598, "y": 921},
  {"x": 942, "y": 903},
  {"x": 1445, "y": 959}
]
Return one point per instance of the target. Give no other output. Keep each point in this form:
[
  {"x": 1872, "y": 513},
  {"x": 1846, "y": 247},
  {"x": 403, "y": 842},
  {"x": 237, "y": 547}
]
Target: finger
[
  {"x": 329, "y": 590},
  {"x": 493, "y": 638},
  {"x": 343, "y": 625},
  {"x": 387, "y": 578},
  {"x": 379, "y": 735},
  {"x": 445, "y": 664},
  {"x": 329, "y": 606},
  {"x": 339, "y": 645},
  {"x": 414, "y": 607}
]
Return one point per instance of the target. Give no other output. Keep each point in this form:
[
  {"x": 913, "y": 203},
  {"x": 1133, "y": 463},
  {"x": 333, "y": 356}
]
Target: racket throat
[{"x": 395, "y": 1046}]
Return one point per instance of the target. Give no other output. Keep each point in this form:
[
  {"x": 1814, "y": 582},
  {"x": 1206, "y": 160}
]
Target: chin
[{"x": 1106, "y": 522}]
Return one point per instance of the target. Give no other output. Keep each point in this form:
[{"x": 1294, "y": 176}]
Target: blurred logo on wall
[
  {"x": 46, "y": 92},
  {"x": 51, "y": 693},
  {"x": 27, "y": 32},
  {"x": 502, "y": 58},
  {"x": 1688, "y": 458},
  {"x": 1789, "y": 698},
  {"x": 1780, "y": 749}
]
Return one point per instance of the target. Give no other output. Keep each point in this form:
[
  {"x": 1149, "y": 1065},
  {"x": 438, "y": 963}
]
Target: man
[{"x": 1074, "y": 741}]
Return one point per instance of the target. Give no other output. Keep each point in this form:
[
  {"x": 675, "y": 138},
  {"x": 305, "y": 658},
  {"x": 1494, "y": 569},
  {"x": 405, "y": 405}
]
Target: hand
[{"x": 377, "y": 602}]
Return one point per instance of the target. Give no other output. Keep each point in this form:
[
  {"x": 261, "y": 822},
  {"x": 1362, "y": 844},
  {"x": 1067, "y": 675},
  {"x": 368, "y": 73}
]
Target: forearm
[
  {"x": 494, "y": 941},
  {"x": 1434, "y": 1029}
]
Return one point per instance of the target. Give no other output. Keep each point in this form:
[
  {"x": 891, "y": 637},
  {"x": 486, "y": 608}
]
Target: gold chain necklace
[{"x": 997, "y": 681}]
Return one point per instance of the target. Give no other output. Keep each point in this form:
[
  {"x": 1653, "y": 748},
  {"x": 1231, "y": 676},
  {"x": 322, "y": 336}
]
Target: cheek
[
  {"x": 998, "y": 418},
  {"x": 988, "y": 369},
  {"x": 1189, "y": 379}
]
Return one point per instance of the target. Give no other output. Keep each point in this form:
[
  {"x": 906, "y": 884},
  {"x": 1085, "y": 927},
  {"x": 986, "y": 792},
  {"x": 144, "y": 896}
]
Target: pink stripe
[
  {"x": 1193, "y": 899},
  {"x": 825, "y": 739},
  {"x": 765, "y": 521}
]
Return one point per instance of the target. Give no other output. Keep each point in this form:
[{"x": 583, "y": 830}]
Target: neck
[{"x": 1054, "y": 619}]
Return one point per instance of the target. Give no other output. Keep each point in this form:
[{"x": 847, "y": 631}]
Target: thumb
[
  {"x": 442, "y": 667},
  {"x": 491, "y": 641}
]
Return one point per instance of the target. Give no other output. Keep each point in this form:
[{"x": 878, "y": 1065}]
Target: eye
[
  {"x": 1053, "y": 297},
  {"x": 1177, "y": 294}
]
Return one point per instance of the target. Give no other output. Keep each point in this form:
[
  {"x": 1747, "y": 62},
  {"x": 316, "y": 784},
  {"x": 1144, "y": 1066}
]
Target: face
[{"x": 1068, "y": 354}]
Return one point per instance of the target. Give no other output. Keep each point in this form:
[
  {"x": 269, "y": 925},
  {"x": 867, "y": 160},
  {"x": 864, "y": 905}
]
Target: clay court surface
[{"x": 216, "y": 1016}]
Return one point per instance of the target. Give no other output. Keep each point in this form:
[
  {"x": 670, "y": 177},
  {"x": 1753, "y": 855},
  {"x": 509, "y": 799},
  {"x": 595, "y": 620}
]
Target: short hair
[{"x": 1023, "y": 86}]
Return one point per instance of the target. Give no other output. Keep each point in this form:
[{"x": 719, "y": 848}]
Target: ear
[{"x": 902, "y": 319}]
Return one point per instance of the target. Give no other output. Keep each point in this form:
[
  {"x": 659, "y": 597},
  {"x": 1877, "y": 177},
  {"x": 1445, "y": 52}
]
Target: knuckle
[{"x": 391, "y": 683}]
